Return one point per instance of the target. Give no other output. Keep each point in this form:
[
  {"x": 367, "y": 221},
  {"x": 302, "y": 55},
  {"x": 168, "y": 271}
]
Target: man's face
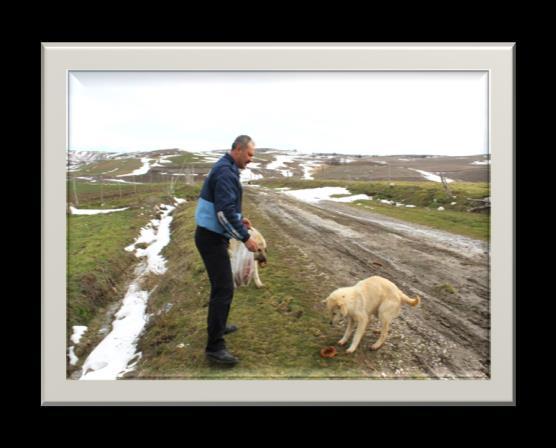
[{"x": 246, "y": 155}]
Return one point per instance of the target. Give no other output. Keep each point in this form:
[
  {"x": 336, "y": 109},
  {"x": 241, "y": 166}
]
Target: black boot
[
  {"x": 222, "y": 357},
  {"x": 230, "y": 329}
]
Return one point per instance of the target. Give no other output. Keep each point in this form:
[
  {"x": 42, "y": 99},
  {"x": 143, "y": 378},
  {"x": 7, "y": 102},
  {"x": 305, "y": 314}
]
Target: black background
[{"x": 263, "y": 22}]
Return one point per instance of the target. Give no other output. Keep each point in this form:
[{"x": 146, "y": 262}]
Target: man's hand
[
  {"x": 252, "y": 245},
  {"x": 247, "y": 223}
]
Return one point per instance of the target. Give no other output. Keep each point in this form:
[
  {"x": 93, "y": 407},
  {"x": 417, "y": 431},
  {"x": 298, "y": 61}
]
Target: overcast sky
[{"x": 380, "y": 113}]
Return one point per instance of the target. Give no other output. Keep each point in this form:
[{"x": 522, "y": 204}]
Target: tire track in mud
[{"x": 448, "y": 335}]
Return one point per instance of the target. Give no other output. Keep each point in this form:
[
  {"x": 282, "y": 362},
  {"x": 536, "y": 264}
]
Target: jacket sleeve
[{"x": 225, "y": 204}]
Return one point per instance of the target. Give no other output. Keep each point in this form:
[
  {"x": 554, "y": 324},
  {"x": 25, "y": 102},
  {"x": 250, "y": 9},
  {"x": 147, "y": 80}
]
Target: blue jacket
[{"x": 219, "y": 205}]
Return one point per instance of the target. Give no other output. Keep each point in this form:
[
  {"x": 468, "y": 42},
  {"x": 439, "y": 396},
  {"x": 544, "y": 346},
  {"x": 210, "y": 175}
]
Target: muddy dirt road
[{"x": 448, "y": 335}]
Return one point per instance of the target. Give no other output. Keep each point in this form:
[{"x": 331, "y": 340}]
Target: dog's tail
[{"x": 413, "y": 302}]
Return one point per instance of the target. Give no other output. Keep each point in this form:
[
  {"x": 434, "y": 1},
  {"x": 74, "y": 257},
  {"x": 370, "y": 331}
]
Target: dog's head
[
  {"x": 260, "y": 255},
  {"x": 336, "y": 306}
]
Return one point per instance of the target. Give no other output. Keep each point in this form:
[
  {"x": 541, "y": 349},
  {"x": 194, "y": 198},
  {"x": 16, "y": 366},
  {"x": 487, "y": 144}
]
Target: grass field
[{"x": 110, "y": 167}]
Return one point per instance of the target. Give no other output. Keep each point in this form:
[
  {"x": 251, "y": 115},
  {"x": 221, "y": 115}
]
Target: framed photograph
[{"x": 365, "y": 196}]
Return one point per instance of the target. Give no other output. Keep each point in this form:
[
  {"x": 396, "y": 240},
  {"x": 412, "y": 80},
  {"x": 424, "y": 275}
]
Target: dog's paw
[
  {"x": 375, "y": 347},
  {"x": 350, "y": 350},
  {"x": 260, "y": 285},
  {"x": 342, "y": 342}
]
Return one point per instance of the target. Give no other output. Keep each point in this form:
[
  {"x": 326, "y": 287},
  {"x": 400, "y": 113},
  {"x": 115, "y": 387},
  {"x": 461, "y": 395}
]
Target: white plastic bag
[{"x": 243, "y": 265}]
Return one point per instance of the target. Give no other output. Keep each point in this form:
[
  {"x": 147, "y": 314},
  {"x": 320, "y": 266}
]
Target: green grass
[
  {"x": 426, "y": 196},
  {"x": 98, "y": 267},
  {"x": 444, "y": 289},
  {"x": 97, "y": 261},
  {"x": 282, "y": 327},
  {"x": 473, "y": 225},
  {"x": 122, "y": 166},
  {"x": 186, "y": 159},
  {"x": 124, "y": 195}
]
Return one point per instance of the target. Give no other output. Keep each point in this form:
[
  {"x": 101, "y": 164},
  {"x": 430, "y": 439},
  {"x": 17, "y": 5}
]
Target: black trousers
[{"x": 214, "y": 252}]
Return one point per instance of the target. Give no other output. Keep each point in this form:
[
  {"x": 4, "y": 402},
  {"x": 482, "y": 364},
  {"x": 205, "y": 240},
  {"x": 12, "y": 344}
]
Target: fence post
[{"x": 75, "y": 192}]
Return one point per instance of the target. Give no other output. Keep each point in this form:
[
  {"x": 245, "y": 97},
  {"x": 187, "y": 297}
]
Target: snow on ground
[
  {"x": 120, "y": 155},
  {"x": 163, "y": 159},
  {"x": 75, "y": 211},
  {"x": 84, "y": 178},
  {"x": 479, "y": 162},
  {"x": 73, "y": 358},
  {"x": 112, "y": 357},
  {"x": 156, "y": 263},
  {"x": 314, "y": 195},
  {"x": 324, "y": 194},
  {"x": 78, "y": 331},
  {"x": 111, "y": 171},
  {"x": 356, "y": 197},
  {"x": 431, "y": 176},
  {"x": 140, "y": 171},
  {"x": 280, "y": 162},
  {"x": 121, "y": 181},
  {"x": 181, "y": 174},
  {"x": 246, "y": 175},
  {"x": 179, "y": 200},
  {"x": 308, "y": 169},
  {"x": 146, "y": 236}
]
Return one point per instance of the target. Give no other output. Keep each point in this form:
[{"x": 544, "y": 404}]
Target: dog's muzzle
[{"x": 261, "y": 258}]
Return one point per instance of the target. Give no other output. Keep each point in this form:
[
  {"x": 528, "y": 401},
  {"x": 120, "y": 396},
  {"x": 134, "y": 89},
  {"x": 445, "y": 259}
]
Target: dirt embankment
[{"x": 448, "y": 335}]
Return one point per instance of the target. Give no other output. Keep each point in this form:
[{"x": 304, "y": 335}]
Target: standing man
[{"x": 218, "y": 218}]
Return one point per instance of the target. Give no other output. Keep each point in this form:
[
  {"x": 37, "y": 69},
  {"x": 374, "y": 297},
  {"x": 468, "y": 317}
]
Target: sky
[{"x": 369, "y": 113}]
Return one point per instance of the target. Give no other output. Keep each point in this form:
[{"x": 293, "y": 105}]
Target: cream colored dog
[
  {"x": 245, "y": 264},
  {"x": 357, "y": 304}
]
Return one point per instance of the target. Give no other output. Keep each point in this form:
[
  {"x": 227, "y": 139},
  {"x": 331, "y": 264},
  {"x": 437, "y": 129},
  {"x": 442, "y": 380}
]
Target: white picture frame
[{"x": 60, "y": 58}]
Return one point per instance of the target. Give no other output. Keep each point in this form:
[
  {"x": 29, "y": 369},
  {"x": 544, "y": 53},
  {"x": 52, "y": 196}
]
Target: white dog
[
  {"x": 357, "y": 304},
  {"x": 245, "y": 264}
]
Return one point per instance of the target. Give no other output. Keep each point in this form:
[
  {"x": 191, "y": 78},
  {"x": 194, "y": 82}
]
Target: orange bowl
[{"x": 328, "y": 352}]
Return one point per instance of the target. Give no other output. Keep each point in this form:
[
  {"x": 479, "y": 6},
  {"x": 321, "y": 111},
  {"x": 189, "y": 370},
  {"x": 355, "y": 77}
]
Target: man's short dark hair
[{"x": 241, "y": 142}]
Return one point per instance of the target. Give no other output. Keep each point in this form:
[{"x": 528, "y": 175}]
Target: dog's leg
[
  {"x": 362, "y": 321},
  {"x": 256, "y": 277},
  {"x": 347, "y": 334},
  {"x": 383, "y": 334}
]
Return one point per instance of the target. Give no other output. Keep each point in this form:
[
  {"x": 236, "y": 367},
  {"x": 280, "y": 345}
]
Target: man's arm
[{"x": 225, "y": 200}]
